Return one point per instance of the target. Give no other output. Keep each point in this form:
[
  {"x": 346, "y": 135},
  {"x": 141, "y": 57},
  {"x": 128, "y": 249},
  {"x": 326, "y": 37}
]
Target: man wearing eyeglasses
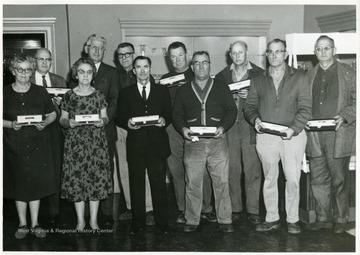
[
  {"x": 280, "y": 95},
  {"x": 126, "y": 55},
  {"x": 241, "y": 137},
  {"x": 177, "y": 54},
  {"x": 147, "y": 147},
  {"x": 334, "y": 97},
  {"x": 43, "y": 77},
  {"x": 107, "y": 80},
  {"x": 205, "y": 102}
]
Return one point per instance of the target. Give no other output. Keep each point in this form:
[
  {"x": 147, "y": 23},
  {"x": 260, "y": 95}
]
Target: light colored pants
[
  {"x": 177, "y": 169},
  {"x": 210, "y": 155},
  {"x": 124, "y": 171},
  {"x": 271, "y": 149}
]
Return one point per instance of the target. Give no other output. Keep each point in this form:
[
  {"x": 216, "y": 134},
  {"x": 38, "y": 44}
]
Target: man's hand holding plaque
[{"x": 145, "y": 121}]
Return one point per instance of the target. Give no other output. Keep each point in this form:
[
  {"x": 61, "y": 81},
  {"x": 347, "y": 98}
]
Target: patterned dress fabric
[{"x": 86, "y": 166}]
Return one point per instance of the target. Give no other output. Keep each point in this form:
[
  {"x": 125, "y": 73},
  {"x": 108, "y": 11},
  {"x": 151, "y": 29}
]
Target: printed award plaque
[
  {"x": 203, "y": 132},
  {"x": 28, "y": 120},
  {"x": 57, "y": 92},
  {"x": 237, "y": 86},
  {"x": 273, "y": 128},
  {"x": 144, "y": 121},
  {"x": 175, "y": 80},
  {"x": 322, "y": 125},
  {"x": 87, "y": 119}
]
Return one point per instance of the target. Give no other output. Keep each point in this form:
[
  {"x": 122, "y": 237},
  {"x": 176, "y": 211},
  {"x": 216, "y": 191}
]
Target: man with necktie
[
  {"x": 147, "y": 147},
  {"x": 43, "y": 77}
]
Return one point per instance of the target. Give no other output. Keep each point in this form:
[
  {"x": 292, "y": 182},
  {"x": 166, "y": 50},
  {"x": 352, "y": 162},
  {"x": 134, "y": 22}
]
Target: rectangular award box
[
  {"x": 87, "y": 118},
  {"x": 322, "y": 125},
  {"x": 144, "y": 121},
  {"x": 173, "y": 80},
  {"x": 57, "y": 91},
  {"x": 273, "y": 128},
  {"x": 203, "y": 132},
  {"x": 237, "y": 86},
  {"x": 28, "y": 120}
]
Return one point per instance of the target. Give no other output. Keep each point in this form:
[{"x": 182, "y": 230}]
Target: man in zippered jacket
[{"x": 281, "y": 95}]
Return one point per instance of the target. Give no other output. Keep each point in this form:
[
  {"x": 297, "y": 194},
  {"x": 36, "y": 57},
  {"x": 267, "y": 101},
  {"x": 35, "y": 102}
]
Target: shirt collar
[
  {"x": 97, "y": 65},
  {"x": 38, "y": 78},
  {"x": 248, "y": 66},
  {"x": 147, "y": 88}
]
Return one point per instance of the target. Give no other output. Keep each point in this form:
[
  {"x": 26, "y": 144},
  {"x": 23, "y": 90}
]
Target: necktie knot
[
  {"x": 44, "y": 82},
  {"x": 143, "y": 94}
]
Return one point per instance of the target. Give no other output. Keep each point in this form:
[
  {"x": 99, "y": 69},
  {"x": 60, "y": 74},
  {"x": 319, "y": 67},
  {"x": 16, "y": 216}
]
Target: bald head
[
  {"x": 39, "y": 51},
  {"x": 43, "y": 60}
]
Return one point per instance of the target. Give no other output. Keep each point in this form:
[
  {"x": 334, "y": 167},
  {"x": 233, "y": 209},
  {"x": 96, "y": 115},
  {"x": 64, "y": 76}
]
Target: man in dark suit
[
  {"x": 43, "y": 77},
  {"x": 147, "y": 147},
  {"x": 107, "y": 80}
]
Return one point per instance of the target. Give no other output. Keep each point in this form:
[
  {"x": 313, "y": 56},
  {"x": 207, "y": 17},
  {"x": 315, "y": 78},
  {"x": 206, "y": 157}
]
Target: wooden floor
[{"x": 207, "y": 239}]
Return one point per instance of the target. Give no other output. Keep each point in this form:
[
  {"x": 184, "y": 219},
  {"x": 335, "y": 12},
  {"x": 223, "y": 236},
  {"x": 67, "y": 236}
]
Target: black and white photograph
[{"x": 196, "y": 126}]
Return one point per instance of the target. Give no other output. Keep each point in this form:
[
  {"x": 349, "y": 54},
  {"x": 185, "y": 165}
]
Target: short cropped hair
[
  {"x": 326, "y": 37},
  {"x": 126, "y": 44},
  {"x": 201, "y": 52},
  {"x": 95, "y": 37},
  {"x": 82, "y": 61},
  {"x": 141, "y": 58},
  {"x": 277, "y": 40},
  {"x": 176, "y": 45}
]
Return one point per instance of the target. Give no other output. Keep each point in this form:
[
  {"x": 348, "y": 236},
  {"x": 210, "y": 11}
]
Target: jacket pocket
[{"x": 192, "y": 120}]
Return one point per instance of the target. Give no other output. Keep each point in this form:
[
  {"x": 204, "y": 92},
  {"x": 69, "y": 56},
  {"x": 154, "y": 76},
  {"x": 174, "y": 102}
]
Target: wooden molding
[
  {"x": 338, "y": 22},
  {"x": 44, "y": 26},
  {"x": 130, "y": 28}
]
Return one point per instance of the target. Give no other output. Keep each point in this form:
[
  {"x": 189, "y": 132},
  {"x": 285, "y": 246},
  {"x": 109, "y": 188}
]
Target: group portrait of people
[{"x": 205, "y": 131}]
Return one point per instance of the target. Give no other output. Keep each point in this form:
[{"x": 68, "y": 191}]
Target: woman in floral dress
[{"x": 86, "y": 167}]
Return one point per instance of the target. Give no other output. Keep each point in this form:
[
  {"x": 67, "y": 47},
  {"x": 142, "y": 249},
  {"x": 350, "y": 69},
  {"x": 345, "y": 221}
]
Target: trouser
[
  {"x": 124, "y": 171},
  {"x": 177, "y": 170},
  {"x": 156, "y": 168},
  {"x": 271, "y": 149},
  {"x": 243, "y": 157},
  {"x": 329, "y": 179},
  {"x": 57, "y": 138},
  {"x": 210, "y": 155},
  {"x": 107, "y": 204}
]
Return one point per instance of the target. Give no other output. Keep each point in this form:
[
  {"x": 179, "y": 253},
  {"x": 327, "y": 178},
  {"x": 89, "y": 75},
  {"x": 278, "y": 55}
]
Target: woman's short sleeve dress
[
  {"x": 86, "y": 165},
  {"x": 28, "y": 163}
]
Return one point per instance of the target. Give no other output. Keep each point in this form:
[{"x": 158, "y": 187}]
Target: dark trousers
[
  {"x": 107, "y": 204},
  {"x": 57, "y": 144},
  {"x": 156, "y": 167},
  {"x": 330, "y": 182}
]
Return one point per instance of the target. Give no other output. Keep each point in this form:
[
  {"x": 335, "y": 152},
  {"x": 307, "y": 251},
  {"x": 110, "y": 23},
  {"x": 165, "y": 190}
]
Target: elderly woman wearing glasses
[
  {"x": 28, "y": 164},
  {"x": 86, "y": 165}
]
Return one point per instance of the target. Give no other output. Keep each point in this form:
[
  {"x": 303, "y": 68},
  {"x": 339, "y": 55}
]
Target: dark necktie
[
  {"x": 143, "y": 94},
  {"x": 44, "y": 81}
]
